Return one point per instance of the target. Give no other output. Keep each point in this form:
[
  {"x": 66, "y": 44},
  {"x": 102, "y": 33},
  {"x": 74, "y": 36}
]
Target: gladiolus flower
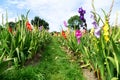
[
  {"x": 97, "y": 32},
  {"x": 96, "y": 29},
  {"x": 92, "y": 31},
  {"x": 82, "y": 12},
  {"x": 28, "y": 25},
  {"x": 68, "y": 32},
  {"x": 78, "y": 40},
  {"x": 10, "y": 29},
  {"x": 63, "y": 34},
  {"x": 106, "y": 27},
  {"x": 106, "y": 31},
  {"x": 65, "y": 23},
  {"x": 95, "y": 24},
  {"x": 40, "y": 28},
  {"x": 106, "y": 38},
  {"x": 78, "y": 35}
]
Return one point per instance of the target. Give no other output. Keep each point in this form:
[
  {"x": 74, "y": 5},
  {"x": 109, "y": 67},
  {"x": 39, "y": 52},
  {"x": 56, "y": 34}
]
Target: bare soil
[
  {"x": 89, "y": 75},
  {"x": 33, "y": 61}
]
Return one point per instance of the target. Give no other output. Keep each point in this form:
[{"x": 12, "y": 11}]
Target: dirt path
[
  {"x": 88, "y": 75},
  {"x": 56, "y": 64}
]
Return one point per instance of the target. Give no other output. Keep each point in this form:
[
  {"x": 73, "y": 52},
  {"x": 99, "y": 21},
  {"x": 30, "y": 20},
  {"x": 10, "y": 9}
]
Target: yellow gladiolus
[
  {"x": 106, "y": 31},
  {"x": 106, "y": 38},
  {"x": 106, "y": 28},
  {"x": 92, "y": 31},
  {"x": 68, "y": 32}
]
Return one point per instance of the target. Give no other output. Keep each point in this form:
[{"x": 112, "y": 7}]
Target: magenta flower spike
[
  {"x": 78, "y": 40},
  {"x": 78, "y": 35}
]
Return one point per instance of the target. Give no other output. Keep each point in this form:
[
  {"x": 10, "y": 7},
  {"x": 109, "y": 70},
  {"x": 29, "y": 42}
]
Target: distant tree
[
  {"x": 74, "y": 22},
  {"x": 39, "y": 22},
  {"x": 11, "y": 24}
]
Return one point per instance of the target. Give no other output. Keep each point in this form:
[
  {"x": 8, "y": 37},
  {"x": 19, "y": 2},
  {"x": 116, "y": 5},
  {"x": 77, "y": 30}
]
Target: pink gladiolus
[
  {"x": 40, "y": 28},
  {"x": 78, "y": 41},
  {"x": 78, "y": 35}
]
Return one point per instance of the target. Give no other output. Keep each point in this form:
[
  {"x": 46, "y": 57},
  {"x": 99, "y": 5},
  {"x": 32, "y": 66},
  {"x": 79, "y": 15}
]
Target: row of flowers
[
  {"x": 98, "y": 48},
  {"x": 21, "y": 44}
]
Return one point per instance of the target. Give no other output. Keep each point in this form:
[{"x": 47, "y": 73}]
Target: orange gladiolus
[
  {"x": 29, "y": 27},
  {"x": 63, "y": 34},
  {"x": 10, "y": 29}
]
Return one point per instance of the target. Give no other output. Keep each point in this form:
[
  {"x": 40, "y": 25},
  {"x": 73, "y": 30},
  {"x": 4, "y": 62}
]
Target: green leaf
[
  {"x": 116, "y": 50},
  {"x": 114, "y": 78},
  {"x": 1, "y": 57},
  {"x": 18, "y": 53},
  {"x": 104, "y": 13},
  {"x": 111, "y": 59}
]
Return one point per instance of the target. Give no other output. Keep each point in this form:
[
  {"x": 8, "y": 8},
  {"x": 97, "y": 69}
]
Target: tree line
[{"x": 73, "y": 22}]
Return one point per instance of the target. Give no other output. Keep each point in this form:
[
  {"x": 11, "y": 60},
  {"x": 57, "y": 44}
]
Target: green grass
[{"x": 54, "y": 65}]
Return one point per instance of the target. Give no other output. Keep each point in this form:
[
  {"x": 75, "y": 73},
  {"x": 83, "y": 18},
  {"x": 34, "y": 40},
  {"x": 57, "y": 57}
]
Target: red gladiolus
[
  {"x": 63, "y": 34},
  {"x": 10, "y": 29},
  {"x": 29, "y": 27}
]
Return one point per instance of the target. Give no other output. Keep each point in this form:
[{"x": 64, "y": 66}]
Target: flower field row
[
  {"x": 98, "y": 48},
  {"x": 20, "y": 43}
]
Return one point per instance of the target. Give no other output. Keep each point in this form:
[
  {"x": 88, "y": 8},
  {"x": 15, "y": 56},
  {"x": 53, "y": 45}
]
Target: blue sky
[{"x": 56, "y": 11}]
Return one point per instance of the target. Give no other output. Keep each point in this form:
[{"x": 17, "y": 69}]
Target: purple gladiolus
[
  {"x": 65, "y": 23},
  {"x": 78, "y": 35},
  {"x": 40, "y": 28},
  {"x": 95, "y": 24},
  {"x": 82, "y": 18},
  {"x": 97, "y": 29},
  {"x": 97, "y": 32},
  {"x": 81, "y": 11}
]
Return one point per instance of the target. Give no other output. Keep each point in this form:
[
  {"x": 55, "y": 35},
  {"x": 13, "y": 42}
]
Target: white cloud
[
  {"x": 56, "y": 11},
  {"x": 20, "y": 4},
  {"x": 99, "y": 4}
]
